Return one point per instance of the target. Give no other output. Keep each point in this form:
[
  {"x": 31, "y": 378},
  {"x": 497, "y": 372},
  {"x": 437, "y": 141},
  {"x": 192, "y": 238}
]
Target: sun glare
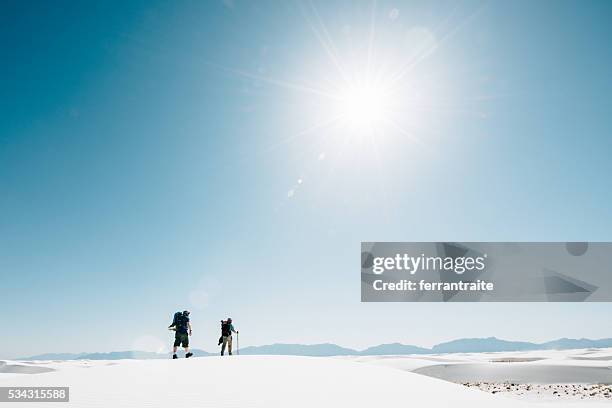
[
  {"x": 363, "y": 106},
  {"x": 370, "y": 82}
]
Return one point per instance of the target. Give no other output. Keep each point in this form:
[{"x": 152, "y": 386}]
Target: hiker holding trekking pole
[{"x": 227, "y": 328}]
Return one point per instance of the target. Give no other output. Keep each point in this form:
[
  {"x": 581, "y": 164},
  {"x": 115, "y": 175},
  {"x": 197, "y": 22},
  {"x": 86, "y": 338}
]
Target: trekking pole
[{"x": 238, "y": 343}]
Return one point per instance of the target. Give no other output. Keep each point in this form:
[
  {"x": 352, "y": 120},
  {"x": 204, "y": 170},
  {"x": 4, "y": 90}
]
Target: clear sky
[{"x": 229, "y": 157}]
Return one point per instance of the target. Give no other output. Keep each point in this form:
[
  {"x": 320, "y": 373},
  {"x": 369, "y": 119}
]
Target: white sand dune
[
  {"x": 522, "y": 373},
  {"x": 599, "y": 358},
  {"x": 251, "y": 381},
  {"x": 550, "y": 366},
  {"x": 534, "y": 375},
  {"x": 6, "y": 368},
  {"x": 288, "y": 381}
]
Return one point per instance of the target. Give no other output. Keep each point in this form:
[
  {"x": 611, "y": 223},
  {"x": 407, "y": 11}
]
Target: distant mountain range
[{"x": 479, "y": 345}]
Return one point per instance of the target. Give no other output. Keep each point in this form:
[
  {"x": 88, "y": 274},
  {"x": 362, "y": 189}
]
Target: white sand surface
[
  {"x": 525, "y": 379},
  {"x": 567, "y": 376},
  {"x": 247, "y": 381}
]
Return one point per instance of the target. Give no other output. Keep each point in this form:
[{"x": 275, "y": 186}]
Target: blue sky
[{"x": 156, "y": 156}]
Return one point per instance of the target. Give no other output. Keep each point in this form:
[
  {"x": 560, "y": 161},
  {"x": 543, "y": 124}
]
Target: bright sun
[
  {"x": 363, "y": 106},
  {"x": 374, "y": 84}
]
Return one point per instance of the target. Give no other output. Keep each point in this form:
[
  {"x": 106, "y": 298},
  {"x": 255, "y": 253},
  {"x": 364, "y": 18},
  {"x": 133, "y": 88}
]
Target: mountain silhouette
[
  {"x": 475, "y": 345},
  {"x": 315, "y": 350},
  {"x": 393, "y": 348},
  {"x": 489, "y": 344}
]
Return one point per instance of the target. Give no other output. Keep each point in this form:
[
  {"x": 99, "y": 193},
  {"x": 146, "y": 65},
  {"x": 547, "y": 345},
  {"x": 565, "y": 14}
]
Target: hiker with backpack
[
  {"x": 182, "y": 326},
  {"x": 227, "y": 328}
]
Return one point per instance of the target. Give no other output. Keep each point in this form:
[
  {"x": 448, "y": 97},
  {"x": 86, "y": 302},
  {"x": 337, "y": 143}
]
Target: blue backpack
[{"x": 178, "y": 321}]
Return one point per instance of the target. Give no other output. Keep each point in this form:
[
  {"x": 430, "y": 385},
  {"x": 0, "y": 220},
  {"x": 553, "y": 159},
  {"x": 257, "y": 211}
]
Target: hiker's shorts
[{"x": 181, "y": 339}]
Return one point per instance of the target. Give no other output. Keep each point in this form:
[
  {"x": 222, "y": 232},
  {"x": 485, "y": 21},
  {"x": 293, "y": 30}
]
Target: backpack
[
  {"x": 176, "y": 320},
  {"x": 179, "y": 322},
  {"x": 226, "y": 329}
]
